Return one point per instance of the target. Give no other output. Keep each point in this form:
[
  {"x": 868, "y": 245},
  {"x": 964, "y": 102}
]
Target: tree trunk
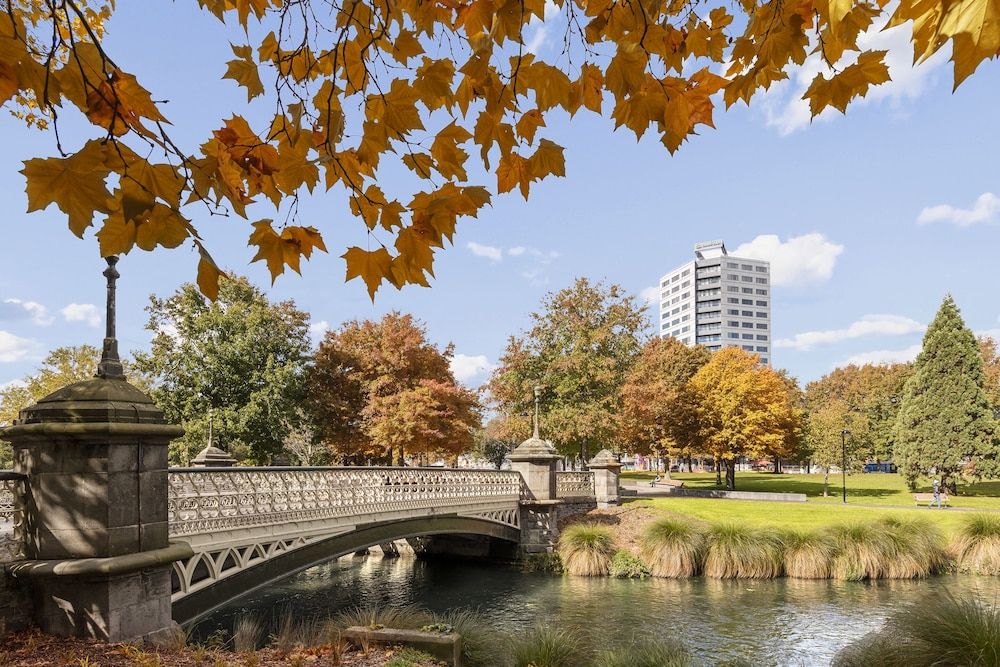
[
  {"x": 690, "y": 467},
  {"x": 777, "y": 465},
  {"x": 718, "y": 472},
  {"x": 826, "y": 483},
  {"x": 731, "y": 475},
  {"x": 949, "y": 485}
]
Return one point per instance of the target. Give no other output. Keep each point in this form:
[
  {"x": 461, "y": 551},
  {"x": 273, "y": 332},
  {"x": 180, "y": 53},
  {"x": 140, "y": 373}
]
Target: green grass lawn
[{"x": 868, "y": 489}]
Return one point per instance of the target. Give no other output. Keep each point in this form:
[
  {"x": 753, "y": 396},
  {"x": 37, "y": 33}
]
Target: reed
[
  {"x": 586, "y": 550},
  {"x": 480, "y": 643},
  {"x": 864, "y": 551},
  {"x": 369, "y": 616},
  {"x": 672, "y": 548},
  {"x": 917, "y": 548},
  {"x": 737, "y": 552},
  {"x": 809, "y": 555},
  {"x": 248, "y": 632},
  {"x": 977, "y": 548}
]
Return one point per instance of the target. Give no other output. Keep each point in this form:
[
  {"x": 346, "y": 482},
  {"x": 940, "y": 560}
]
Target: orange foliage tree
[
  {"x": 361, "y": 83},
  {"x": 380, "y": 390}
]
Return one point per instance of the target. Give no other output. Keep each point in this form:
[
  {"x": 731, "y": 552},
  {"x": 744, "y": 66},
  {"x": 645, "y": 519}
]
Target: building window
[
  {"x": 675, "y": 322},
  {"x": 685, "y": 272},
  {"x": 760, "y": 337},
  {"x": 762, "y": 348},
  {"x": 675, "y": 311},
  {"x": 761, "y": 281},
  {"x": 747, "y": 302},
  {"x": 748, "y": 325},
  {"x": 714, "y": 348},
  {"x": 748, "y": 348},
  {"x": 732, "y": 323},
  {"x": 762, "y": 304},
  {"x": 732, "y": 276},
  {"x": 747, "y": 313},
  {"x": 747, "y": 279},
  {"x": 685, "y": 329},
  {"x": 685, "y": 318},
  {"x": 761, "y": 292},
  {"x": 732, "y": 265},
  {"x": 675, "y": 279},
  {"x": 686, "y": 283},
  {"x": 747, "y": 290},
  {"x": 761, "y": 325},
  {"x": 685, "y": 295},
  {"x": 747, "y": 336},
  {"x": 685, "y": 306},
  {"x": 747, "y": 267},
  {"x": 732, "y": 300},
  {"x": 675, "y": 290},
  {"x": 733, "y": 334},
  {"x": 760, "y": 269},
  {"x": 763, "y": 360},
  {"x": 732, "y": 311},
  {"x": 760, "y": 314},
  {"x": 732, "y": 288}
]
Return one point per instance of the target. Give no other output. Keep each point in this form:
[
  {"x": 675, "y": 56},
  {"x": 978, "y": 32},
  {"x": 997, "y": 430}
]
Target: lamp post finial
[{"x": 110, "y": 365}]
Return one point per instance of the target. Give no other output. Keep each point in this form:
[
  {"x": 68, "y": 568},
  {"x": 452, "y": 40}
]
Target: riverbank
[{"x": 34, "y": 649}]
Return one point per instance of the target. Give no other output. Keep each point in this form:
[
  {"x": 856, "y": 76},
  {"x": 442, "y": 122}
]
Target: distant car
[{"x": 675, "y": 468}]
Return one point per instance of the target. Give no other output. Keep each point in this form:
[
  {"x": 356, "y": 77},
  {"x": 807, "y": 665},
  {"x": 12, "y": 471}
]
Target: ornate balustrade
[
  {"x": 206, "y": 500},
  {"x": 574, "y": 484},
  {"x": 11, "y": 516}
]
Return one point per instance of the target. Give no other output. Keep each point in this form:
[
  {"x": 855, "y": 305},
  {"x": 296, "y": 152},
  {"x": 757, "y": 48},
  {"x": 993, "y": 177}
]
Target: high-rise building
[{"x": 718, "y": 300}]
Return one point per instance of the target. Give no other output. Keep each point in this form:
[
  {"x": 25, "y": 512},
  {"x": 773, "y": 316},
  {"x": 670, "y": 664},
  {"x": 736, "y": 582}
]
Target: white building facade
[{"x": 718, "y": 300}]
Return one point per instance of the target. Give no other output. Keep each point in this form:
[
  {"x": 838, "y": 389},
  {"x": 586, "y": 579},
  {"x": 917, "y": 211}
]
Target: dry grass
[
  {"x": 586, "y": 550},
  {"x": 977, "y": 548},
  {"x": 917, "y": 548},
  {"x": 809, "y": 554},
  {"x": 738, "y": 552},
  {"x": 672, "y": 548},
  {"x": 247, "y": 633}
]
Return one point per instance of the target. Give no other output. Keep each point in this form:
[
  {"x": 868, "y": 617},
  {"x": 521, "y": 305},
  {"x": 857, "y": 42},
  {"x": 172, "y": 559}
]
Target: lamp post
[{"x": 843, "y": 468}]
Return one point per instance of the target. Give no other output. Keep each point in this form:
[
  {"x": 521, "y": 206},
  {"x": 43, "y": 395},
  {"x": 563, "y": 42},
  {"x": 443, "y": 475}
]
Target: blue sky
[{"x": 868, "y": 219}]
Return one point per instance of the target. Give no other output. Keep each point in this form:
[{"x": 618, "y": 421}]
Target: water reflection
[{"x": 780, "y": 622}]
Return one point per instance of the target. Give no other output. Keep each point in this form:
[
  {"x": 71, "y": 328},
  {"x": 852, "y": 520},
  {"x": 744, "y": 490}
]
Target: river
[{"x": 777, "y": 622}]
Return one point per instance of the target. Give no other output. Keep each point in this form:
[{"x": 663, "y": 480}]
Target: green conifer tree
[{"x": 945, "y": 425}]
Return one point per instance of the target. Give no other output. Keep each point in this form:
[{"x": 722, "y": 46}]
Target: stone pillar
[
  {"x": 96, "y": 531},
  {"x": 535, "y": 459},
  {"x": 606, "y": 469}
]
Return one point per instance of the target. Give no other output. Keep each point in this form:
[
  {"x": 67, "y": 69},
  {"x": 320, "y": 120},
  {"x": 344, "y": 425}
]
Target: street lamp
[{"x": 843, "y": 468}]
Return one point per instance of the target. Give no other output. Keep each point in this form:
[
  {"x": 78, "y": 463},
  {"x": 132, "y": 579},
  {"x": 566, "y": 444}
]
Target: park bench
[
  {"x": 677, "y": 484},
  {"x": 928, "y": 498}
]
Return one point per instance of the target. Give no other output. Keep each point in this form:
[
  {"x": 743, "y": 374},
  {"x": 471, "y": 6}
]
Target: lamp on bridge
[
  {"x": 96, "y": 531},
  {"x": 212, "y": 456}
]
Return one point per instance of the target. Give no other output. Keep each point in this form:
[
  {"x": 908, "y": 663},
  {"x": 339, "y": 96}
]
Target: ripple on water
[{"x": 781, "y": 622}]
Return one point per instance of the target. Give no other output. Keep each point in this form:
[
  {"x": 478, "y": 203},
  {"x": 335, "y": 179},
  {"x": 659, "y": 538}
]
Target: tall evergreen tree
[{"x": 945, "y": 425}]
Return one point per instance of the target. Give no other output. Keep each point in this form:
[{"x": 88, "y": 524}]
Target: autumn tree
[
  {"x": 744, "y": 408},
  {"x": 381, "y": 390},
  {"x": 827, "y": 442},
  {"x": 659, "y": 413},
  {"x": 582, "y": 343},
  {"x": 991, "y": 370},
  {"x": 491, "y": 445},
  {"x": 359, "y": 87},
  {"x": 238, "y": 361},
  {"x": 945, "y": 425}
]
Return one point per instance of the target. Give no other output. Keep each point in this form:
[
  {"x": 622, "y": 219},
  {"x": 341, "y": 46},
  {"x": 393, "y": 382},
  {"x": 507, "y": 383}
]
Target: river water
[{"x": 777, "y": 622}]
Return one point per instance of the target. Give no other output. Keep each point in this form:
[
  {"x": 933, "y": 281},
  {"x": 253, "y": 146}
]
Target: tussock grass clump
[
  {"x": 917, "y": 548},
  {"x": 625, "y": 565},
  {"x": 586, "y": 550},
  {"x": 940, "y": 629},
  {"x": 544, "y": 646},
  {"x": 809, "y": 555},
  {"x": 672, "y": 548},
  {"x": 480, "y": 643},
  {"x": 864, "y": 551},
  {"x": 738, "y": 552},
  {"x": 372, "y": 617},
  {"x": 248, "y": 632},
  {"x": 646, "y": 653},
  {"x": 977, "y": 548}
]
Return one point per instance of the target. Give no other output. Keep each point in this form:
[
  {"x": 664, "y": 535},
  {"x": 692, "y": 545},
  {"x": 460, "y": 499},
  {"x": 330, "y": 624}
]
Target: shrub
[
  {"x": 672, "y": 548},
  {"x": 646, "y": 653},
  {"x": 738, "y": 552},
  {"x": 544, "y": 646},
  {"x": 408, "y": 657},
  {"x": 543, "y": 562},
  {"x": 625, "y": 565},
  {"x": 586, "y": 550},
  {"x": 808, "y": 555},
  {"x": 977, "y": 549},
  {"x": 917, "y": 550},
  {"x": 864, "y": 551},
  {"x": 940, "y": 629}
]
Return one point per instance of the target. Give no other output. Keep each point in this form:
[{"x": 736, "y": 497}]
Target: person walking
[{"x": 937, "y": 493}]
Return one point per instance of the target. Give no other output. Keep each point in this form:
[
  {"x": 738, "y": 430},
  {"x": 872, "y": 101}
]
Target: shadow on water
[{"x": 779, "y": 622}]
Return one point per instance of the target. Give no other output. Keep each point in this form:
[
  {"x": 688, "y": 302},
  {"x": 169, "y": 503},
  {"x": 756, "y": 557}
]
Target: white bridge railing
[
  {"x": 206, "y": 500},
  {"x": 574, "y": 484}
]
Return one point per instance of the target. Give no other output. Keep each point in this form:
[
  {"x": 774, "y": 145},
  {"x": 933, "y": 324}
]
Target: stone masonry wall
[{"x": 15, "y": 605}]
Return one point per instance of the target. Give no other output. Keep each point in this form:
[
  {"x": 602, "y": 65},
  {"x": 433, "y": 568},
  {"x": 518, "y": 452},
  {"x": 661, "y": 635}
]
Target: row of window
[
  {"x": 745, "y": 313},
  {"x": 746, "y": 290},
  {"x": 746, "y": 267}
]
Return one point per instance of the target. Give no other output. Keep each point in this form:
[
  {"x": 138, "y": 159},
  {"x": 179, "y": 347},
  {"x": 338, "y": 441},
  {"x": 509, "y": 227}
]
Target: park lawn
[
  {"x": 868, "y": 489},
  {"x": 797, "y": 516}
]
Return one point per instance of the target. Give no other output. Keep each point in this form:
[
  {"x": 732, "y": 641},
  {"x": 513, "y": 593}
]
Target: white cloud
[
  {"x": 467, "y": 367},
  {"x": 985, "y": 209},
  {"x": 800, "y": 260},
  {"x": 517, "y": 251},
  {"x": 318, "y": 329},
  {"x": 869, "y": 325},
  {"x": 541, "y": 34},
  {"x": 492, "y": 253},
  {"x": 650, "y": 295},
  {"x": 82, "y": 312},
  {"x": 15, "y": 348},
  {"x": 882, "y": 357},
  {"x": 35, "y": 311},
  {"x": 13, "y": 383},
  {"x": 786, "y": 111}
]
